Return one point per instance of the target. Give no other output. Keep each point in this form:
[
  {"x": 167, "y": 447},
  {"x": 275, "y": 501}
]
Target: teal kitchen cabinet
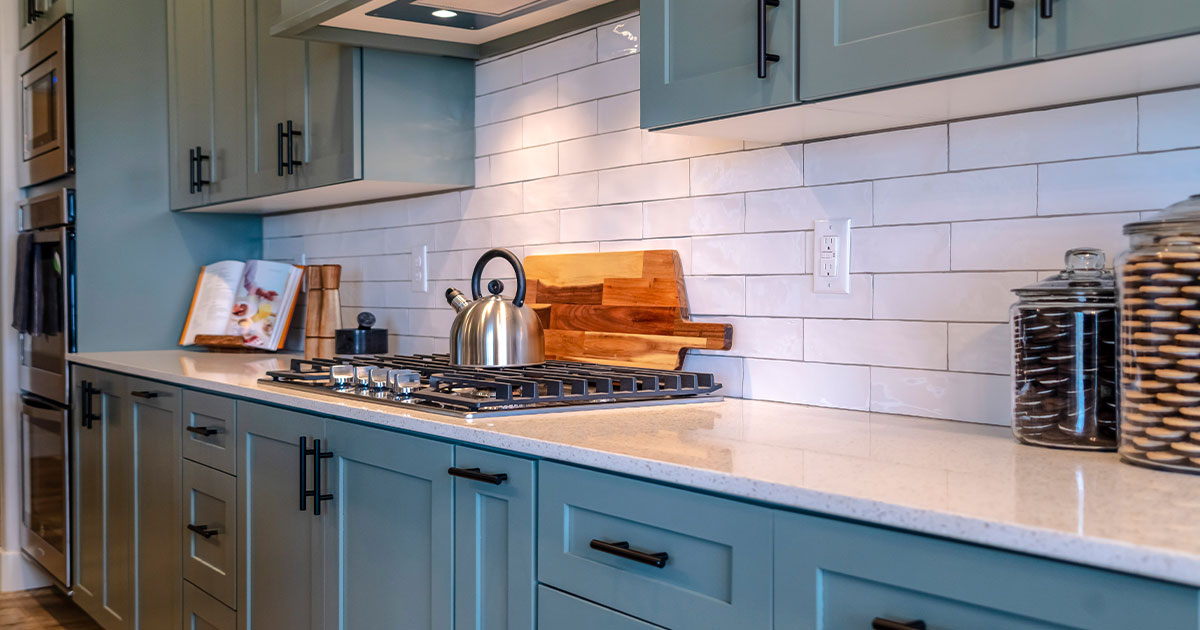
[
  {"x": 674, "y": 558},
  {"x": 704, "y": 58},
  {"x": 849, "y": 46},
  {"x": 494, "y": 539},
  {"x": 1069, "y": 27},
  {"x": 206, "y": 59},
  {"x": 388, "y": 530},
  {"x": 833, "y": 574},
  {"x": 280, "y": 561},
  {"x": 202, "y": 612},
  {"x": 560, "y": 611},
  {"x": 126, "y": 477}
]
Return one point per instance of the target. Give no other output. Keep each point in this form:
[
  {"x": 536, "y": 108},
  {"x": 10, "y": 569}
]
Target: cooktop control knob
[
  {"x": 403, "y": 382},
  {"x": 379, "y": 378},
  {"x": 341, "y": 375},
  {"x": 362, "y": 375}
]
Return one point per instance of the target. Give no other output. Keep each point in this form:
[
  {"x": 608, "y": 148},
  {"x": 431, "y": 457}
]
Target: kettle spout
[{"x": 457, "y": 299}]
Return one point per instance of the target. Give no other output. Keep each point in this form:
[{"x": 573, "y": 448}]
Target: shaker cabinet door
[
  {"x": 276, "y": 90},
  {"x": 331, "y": 112},
  {"x": 190, "y": 82},
  {"x": 849, "y": 46},
  {"x": 225, "y": 170},
  {"x": 700, "y": 59},
  {"x": 1071, "y": 27}
]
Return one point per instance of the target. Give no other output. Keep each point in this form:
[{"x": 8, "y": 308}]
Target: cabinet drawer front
[
  {"x": 210, "y": 430},
  {"x": 210, "y": 543},
  {"x": 832, "y": 574},
  {"x": 559, "y": 611},
  {"x": 717, "y": 571},
  {"x": 202, "y": 612}
]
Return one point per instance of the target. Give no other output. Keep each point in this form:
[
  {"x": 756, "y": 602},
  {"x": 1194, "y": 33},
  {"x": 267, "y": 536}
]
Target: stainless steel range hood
[{"x": 461, "y": 28}]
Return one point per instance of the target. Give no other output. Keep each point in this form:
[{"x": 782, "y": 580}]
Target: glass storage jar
[
  {"x": 1159, "y": 296},
  {"x": 1065, "y": 342}
]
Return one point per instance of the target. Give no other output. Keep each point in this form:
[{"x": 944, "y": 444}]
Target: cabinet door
[
  {"x": 276, "y": 89},
  {"x": 209, "y": 531},
  {"x": 700, "y": 59},
  {"x": 388, "y": 530},
  {"x": 190, "y": 82},
  {"x": 280, "y": 561},
  {"x": 328, "y": 116},
  {"x": 493, "y": 542},
  {"x": 103, "y": 517},
  {"x": 202, "y": 612},
  {"x": 1074, "y": 27},
  {"x": 849, "y": 46},
  {"x": 154, "y": 411},
  {"x": 226, "y": 167}
]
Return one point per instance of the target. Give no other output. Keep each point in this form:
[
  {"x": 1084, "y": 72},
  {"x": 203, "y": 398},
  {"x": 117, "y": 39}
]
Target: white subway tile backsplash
[
  {"x": 1034, "y": 243},
  {"x": 980, "y": 398},
  {"x": 948, "y": 297},
  {"x": 989, "y": 194},
  {"x": 478, "y": 203},
  {"x": 500, "y": 74},
  {"x": 724, "y": 214},
  {"x": 646, "y": 182},
  {"x": 619, "y": 112},
  {"x": 874, "y": 156},
  {"x": 716, "y": 295},
  {"x": 603, "y": 79},
  {"x": 1135, "y": 182},
  {"x": 797, "y": 208},
  {"x": 516, "y": 102},
  {"x": 793, "y": 296},
  {"x": 660, "y": 146},
  {"x": 1065, "y": 133},
  {"x": 981, "y": 348},
  {"x": 568, "y": 191},
  {"x": 556, "y": 125},
  {"x": 559, "y": 56},
  {"x": 601, "y": 223},
  {"x": 524, "y": 164},
  {"x": 771, "y": 253},
  {"x": 822, "y": 384},
  {"x": 500, "y": 137},
  {"x": 1169, "y": 120},
  {"x": 610, "y": 150},
  {"x": 728, "y": 371},
  {"x": 876, "y": 342},
  {"x": 619, "y": 39},
  {"x": 774, "y": 167},
  {"x": 483, "y": 171},
  {"x": 900, "y": 248},
  {"x": 434, "y": 208},
  {"x": 562, "y": 248},
  {"x": 765, "y": 337}
]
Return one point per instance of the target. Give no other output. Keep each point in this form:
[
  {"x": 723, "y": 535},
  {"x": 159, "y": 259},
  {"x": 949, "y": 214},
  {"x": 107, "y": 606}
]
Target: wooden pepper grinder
[
  {"x": 331, "y": 309},
  {"x": 312, "y": 312}
]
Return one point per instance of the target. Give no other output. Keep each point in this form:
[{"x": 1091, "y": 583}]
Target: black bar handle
[
  {"x": 879, "y": 623},
  {"x": 474, "y": 474},
  {"x": 622, "y": 550},
  {"x": 994, "y": 7},
  {"x": 318, "y": 497},
  {"x": 144, "y": 394},
  {"x": 292, "y": 162},
  {"x": 304, "y": 453},
  {"x": 89, "y": 415},
  {"x": 191, "y": 171},
  {"x": 279, "y": 148},
  {"x": 1046, "y": 9},
  {"x": 763, "y": 56},
  {"x": 200, "y": 181},
  {"x": 203, "y": 530},
  {"x": 204, "y": 431}
]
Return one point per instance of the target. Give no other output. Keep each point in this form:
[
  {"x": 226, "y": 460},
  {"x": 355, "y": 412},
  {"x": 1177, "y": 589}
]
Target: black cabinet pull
[
  {"x": 279, "y": 148},
  {"x": 304, "y": 453},
  {"x": 203, "y": 431},
  {"x": 144, "y": 394},
  {"x": 622, "y": 550},
  {"x": 879, "y": 623},
  {"x": 1046, "y": 9},
  {"x": 292, "y": 162},
  {"x": 763, "y": 56},
  {"x": 474, "y": 474},
  {"x": 315, "y": 493},
  {"x": 203, "y": 530},
  {"x": 89, "y": 415},
  {"x": 994, "y": 7},
  {"x": 191, "y": 171},
  {"x": 199, "y": 175}
]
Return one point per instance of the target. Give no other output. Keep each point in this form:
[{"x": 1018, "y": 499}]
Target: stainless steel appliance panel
[
  {"x": 46, "y": 149},
  {"x": 43, "y": 359},
  {"x": 45, "y": 510},
  {"x": 39, "y": 15}
]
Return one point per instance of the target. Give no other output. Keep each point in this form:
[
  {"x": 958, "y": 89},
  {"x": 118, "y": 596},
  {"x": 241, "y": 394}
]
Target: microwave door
[{"x": 45, "y": 513}]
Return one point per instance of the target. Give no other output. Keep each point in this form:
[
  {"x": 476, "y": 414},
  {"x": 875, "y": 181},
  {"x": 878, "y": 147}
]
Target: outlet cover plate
[
  {"x": 419, "y": 273},
  {"x": 831, "y": 256}
]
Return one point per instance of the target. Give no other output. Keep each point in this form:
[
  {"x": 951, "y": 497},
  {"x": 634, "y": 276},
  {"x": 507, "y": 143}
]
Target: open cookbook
[{"x": 253, "y": 300}]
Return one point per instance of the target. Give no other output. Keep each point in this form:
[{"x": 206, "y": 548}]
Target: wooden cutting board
[{"x": 618, "y": 308}]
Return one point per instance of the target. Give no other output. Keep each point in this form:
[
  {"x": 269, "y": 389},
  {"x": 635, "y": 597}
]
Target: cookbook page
[
  {"x": 263, "y": 304},
  {"x": 209, "y": 312}
]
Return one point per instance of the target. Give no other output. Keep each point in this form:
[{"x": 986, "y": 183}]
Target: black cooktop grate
[{"x": 552, "y": 384}]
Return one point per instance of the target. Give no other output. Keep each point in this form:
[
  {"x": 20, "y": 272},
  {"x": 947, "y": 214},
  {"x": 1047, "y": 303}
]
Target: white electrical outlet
[
  {"x": 420, "y": 269},
  {"x": 831, "y": 256}
]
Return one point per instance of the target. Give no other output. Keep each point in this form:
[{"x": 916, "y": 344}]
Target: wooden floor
[{"x": 41, "y": 609}]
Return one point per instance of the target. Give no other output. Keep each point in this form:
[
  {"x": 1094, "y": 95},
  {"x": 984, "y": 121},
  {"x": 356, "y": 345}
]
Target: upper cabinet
[
  {"x": 1069, "y": 27},
  {"x": 708, "y": 58},
  {"x": 267, "y": 124}
]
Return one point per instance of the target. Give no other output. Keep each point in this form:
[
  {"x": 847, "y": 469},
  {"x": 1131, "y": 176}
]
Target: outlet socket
[{"x": 419, "y": 273}]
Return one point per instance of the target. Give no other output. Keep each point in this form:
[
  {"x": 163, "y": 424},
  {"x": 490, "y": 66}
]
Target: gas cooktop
[{"x": 431, "y": 383}]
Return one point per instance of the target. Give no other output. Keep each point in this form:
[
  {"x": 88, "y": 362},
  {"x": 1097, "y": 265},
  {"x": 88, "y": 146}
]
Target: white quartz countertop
[{"x": 963, "y": 481}]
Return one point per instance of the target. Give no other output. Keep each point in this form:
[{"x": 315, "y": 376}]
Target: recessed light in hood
[{"x": 468, "y": 14}]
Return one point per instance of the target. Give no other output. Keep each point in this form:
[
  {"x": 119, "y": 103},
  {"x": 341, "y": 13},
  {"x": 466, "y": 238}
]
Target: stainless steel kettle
[{"x": 492, "y": 331}]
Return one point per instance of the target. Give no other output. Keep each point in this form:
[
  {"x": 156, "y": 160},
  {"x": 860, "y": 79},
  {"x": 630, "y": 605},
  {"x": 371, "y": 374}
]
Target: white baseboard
[{"x": 18, "y": 573}]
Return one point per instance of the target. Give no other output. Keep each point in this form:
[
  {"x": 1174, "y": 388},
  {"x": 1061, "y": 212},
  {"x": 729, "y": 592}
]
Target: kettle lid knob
[{"x": 366, "y": 320}]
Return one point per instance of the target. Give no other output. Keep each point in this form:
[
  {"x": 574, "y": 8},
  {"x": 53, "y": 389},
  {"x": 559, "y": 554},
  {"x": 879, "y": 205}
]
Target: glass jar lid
[
  {"x": 1083, "y": 277},
  {"x": 1174, "y": 218}
]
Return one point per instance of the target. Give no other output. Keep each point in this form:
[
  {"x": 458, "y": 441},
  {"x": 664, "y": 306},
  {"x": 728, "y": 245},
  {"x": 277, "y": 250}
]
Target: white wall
[{"x": 948, "y": 219}]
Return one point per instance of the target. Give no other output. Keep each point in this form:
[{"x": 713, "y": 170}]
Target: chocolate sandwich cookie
[
  {"x": 1180, "y": 422},
  {"x": 1165, "y": 457},
  {"x": 1169, "y": 278},
  {"x": 1191, "y": 449},
  {"x": 1159, "y": 290},
  {"x": 1175, "y": 399},
  {"x": 1149, "y": 444},
  {"x": 1175, "y": 376},
  {"x": 1187, "y": 339},
  {"x": 1180, "y": 352},
  {"x": 1150, "y": 266},
  {"x": 1156, "y": 410},
  {"x": 1165, "y": 434}
]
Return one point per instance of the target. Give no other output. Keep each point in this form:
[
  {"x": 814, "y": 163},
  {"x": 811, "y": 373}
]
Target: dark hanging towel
[
  {"x": 37, "y": 298},
  {"x": 23, "y": 286}
]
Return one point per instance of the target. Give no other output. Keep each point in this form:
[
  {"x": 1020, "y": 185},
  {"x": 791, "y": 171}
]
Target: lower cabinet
[
  {"x": 202, "y": 612},
  {"x": 559, "y": 611}
]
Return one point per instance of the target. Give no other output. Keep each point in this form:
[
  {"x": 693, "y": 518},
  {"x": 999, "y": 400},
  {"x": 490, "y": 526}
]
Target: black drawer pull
[
  {"x": 203, "y": 530},
  {"x": 144, "y": 394},
  {"x": 622, "y": 549},
  {"x": 204, "y": 431},
  {"x": 87, "y": 412},
  {"x": 994, "y": 7},
  {"x": 879, "y": 623},
  {"x": 199, "y": 176},
  {"x": 1047, "y": 9},
  {"x": 474, "y": 474},
  {"x": 763, "y": 56},
  {"x": 315, "y": 493}
]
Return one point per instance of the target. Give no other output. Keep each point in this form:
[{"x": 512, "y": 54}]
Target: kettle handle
[{"x": 512, "y": 259}]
